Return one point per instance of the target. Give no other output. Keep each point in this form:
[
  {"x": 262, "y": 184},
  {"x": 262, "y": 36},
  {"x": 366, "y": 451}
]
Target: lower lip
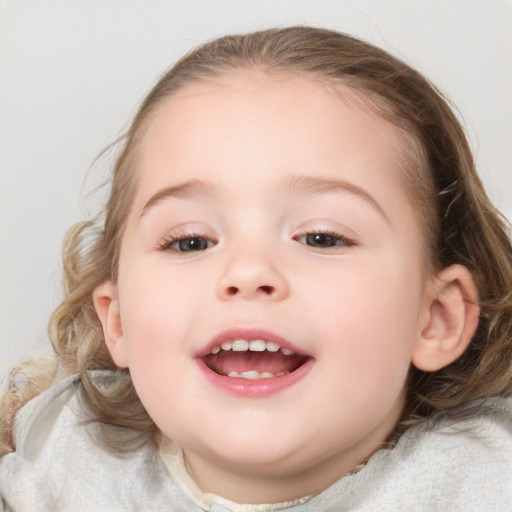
[{"x": 259, "y": 388}]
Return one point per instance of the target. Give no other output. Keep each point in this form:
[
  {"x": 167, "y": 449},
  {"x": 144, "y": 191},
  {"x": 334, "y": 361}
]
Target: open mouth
[{"x": 253, "y": 359}]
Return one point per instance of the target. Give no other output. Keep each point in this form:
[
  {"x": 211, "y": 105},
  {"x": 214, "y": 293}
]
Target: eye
[
  {"x": 324, "y": 240},
  {"x": 186, "y": 243}
]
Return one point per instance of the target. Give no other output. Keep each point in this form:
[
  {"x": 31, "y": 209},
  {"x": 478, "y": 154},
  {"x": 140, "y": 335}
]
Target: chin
[{"x": 258, "y": 452}]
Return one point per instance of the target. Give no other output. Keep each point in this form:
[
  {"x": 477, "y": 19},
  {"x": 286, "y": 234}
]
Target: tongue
[{"x": 275, "y": 363}]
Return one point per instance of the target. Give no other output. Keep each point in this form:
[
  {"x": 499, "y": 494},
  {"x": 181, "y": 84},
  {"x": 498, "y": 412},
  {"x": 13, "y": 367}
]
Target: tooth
[
  {"x": 215, "y": 350},
  {"x": 233, "y": 374},
  {"x": 280, "y": 374},
  {"x": 240, "y": 345},
  {"x": 287, "y": 351},
  {"x": 227, "y": 345},
  {"x": 257, "y": 346},
  {"x": 272, "y": 347},
  {"x": 251, "y": 375},
  {"x": 266, "y": 375}
]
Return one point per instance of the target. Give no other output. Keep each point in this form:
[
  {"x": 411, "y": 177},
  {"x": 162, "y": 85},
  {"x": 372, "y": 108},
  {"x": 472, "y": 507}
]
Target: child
[{"x": 299, "y": 298}]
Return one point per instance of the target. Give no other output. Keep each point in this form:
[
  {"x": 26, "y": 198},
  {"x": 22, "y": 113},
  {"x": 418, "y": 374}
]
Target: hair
[{"x": 460, "y": 225}]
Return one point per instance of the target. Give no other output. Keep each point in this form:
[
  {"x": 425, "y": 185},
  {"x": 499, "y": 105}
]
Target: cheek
[
  {"x": 365, "y": 369},
  {"x": 370, "y": 319},
  {"x": 154, "y": 309},
  {"x": 154, "y": 322}
]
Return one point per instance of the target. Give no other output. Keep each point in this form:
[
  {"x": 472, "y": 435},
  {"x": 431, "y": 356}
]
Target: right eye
[{"x": 188, "y": 243}]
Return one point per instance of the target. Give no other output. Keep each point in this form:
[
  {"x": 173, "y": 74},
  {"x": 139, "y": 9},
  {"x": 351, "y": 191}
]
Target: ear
[
  {"x": 451, "y": 319},
  {"x": 106, "y": 303}
]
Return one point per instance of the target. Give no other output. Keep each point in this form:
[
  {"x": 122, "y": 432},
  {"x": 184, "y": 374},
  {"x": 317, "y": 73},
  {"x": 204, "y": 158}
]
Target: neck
[{"x": 269, "y": 484}]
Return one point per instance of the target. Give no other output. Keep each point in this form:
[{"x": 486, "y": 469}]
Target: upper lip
[{"x": 248, "y": 334}]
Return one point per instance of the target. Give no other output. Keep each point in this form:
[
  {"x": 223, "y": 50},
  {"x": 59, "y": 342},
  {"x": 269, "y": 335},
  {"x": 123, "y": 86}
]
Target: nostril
[
  {"x": 267, "y": 289},
  {"x": 232, "y": 290}
]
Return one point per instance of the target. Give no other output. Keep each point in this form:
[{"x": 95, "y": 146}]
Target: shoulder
[
  {"x": 481, "y": 439},
  {"x": 38, "y": 417},
  {"x": 461, "y": 465},
  {"x": 58, "y": 463},
  {"x": 481, "y": 426}
]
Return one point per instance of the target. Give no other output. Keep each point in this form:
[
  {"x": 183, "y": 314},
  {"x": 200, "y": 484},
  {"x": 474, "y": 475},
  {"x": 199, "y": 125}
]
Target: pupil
[
  {"x": 192, "y": 244},
  {"x": 321, "y": 240}
]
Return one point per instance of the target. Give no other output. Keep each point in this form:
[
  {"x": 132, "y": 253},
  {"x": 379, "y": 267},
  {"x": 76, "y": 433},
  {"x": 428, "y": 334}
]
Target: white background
[{"x": 72, "y": 72}]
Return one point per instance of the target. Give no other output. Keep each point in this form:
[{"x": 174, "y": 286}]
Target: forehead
[
  {"x": 249, "y": 119},
  {"x": 245, "y": 96}
]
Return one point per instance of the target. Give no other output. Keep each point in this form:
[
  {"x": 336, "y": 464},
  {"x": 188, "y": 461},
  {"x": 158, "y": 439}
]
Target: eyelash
[
  {"x": 343, "y": 240},
  {"x": 167, "y": 243},
  {"x": 339, "y": 241}
]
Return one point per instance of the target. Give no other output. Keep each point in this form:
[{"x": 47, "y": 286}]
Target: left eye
[
  {"x": 324, "y": 240},
  {"x": 187, "y": 244}
]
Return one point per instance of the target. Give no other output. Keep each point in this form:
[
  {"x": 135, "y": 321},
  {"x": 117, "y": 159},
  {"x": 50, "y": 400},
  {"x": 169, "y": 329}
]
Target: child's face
[{"x": 270, "y": 209}]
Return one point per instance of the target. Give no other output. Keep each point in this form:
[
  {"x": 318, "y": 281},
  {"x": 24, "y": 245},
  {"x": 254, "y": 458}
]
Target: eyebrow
[
  {"x": 181, "y": 191},
  {"x": 320, "y": 185},
  {"x": 301, "y": 184}
]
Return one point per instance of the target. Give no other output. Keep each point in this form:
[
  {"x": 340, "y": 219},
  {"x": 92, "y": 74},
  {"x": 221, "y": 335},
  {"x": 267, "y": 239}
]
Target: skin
[{"x": 252, "y": 144}]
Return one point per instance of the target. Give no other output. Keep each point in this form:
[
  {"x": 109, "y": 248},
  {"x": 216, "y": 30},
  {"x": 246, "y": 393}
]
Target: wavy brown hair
[{"x": 459, "y": 222}]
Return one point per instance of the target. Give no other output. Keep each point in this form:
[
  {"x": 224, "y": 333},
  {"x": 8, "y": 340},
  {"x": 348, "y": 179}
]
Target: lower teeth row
[{"x": 254, "y": 375}]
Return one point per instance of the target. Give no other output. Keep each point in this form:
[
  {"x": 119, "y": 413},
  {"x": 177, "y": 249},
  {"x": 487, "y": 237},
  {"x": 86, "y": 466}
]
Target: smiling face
[{"x": 270, "y": 291}]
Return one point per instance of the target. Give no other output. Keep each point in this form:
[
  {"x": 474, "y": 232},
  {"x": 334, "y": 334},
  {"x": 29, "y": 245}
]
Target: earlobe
[
  {"x": 106, "y": 303},
  {"x": 452, "y": 319}
]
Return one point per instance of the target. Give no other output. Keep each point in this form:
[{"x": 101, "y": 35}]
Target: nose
[{"x": 252, "y": 276}]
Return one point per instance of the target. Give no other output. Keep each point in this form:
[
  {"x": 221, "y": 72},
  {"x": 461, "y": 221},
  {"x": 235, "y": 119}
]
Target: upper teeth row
[{"x": 253, "y": 346}]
